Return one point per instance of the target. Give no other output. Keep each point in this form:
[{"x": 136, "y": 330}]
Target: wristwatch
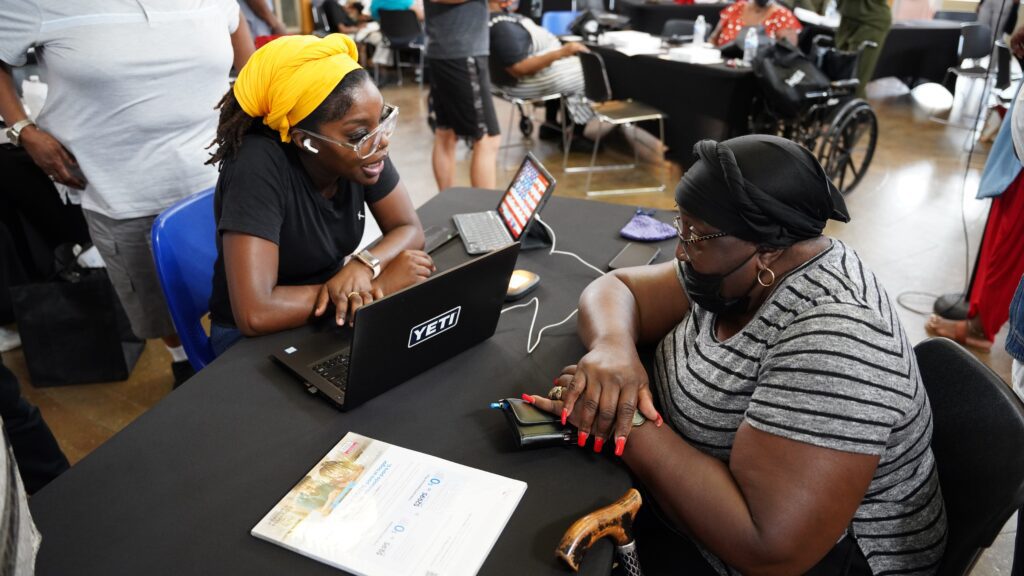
[
  {"x": 14, "y": 132},
  {"x": 370, "y": 260}
]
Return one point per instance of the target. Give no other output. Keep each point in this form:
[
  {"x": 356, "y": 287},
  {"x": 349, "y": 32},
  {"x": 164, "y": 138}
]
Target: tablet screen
[{"x": 523, "y": 197}]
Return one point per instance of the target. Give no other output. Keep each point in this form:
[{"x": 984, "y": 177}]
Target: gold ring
[
  {"x": 556, "y": 392},
  {"x": 350, "y": 294}
]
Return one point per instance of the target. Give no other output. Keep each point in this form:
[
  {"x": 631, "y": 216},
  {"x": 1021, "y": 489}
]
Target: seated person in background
[
  {"x": 346, "y": 19},
  {"x": 799, "y": 436},
  {"x": 349, "y": 19},
  {"x": 302, "y": 144},
  {"x": 532, "y": 62},
  {"x": 777, "y": 20}
]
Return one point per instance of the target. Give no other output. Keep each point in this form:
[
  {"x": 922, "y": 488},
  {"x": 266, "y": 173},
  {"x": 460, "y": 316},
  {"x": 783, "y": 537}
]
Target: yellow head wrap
[{"x": 286, "y": 79}]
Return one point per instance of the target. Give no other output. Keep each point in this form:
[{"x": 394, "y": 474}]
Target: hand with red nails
[
  {"x": 575, "y": 417},
  {"x": 604, "y": 390}
]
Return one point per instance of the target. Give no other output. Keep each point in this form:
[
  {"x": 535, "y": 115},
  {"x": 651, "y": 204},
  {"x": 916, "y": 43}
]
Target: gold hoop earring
[{"x": 770, "y": 280}]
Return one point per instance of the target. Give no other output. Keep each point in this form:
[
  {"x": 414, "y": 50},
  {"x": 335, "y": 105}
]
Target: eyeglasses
[
  {"x": 369, "y": 144},
  {"x": 693, "y": 239}
]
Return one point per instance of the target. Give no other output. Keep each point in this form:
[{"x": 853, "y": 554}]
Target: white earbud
[{"x": 309, "y": 146}]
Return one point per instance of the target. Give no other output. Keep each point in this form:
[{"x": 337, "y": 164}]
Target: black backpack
[{"x": 786, "y": 77}]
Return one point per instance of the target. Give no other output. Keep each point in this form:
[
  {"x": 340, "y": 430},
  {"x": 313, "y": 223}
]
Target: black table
[
  {"x": 701, "y": 101},
  {"x": 177, "y": 491},
  {"x": 917, "y": 50},
  {"x": 914, "y": 50},
  {"x": 651, "y": 17}
]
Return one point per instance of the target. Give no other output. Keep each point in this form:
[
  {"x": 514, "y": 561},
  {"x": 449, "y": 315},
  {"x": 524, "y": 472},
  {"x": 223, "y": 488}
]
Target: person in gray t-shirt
[
  {"x": 796, "y": 432},
  {"x": 460, "y": 89}
]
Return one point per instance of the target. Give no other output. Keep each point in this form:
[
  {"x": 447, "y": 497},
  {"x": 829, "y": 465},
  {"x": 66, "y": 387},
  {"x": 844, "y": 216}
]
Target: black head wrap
[{"x": 760, "y": 188}]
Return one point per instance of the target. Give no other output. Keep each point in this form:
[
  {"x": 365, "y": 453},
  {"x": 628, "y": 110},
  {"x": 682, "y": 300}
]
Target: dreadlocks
[{"x": 233, "y": 125}]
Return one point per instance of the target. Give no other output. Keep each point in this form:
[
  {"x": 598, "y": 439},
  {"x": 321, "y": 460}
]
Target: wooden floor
[{"x": 913, "y": 222}]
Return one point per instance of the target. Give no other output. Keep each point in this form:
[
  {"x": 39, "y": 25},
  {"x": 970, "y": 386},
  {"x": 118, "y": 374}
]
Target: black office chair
[
  {"x": 677, "y": 30},
  {"x": 598, "y": 92},
  {"x": 978, "y": 441},
  {"x": 402, "y": 31}
]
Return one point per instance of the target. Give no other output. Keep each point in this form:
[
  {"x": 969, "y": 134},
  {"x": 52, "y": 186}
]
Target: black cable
[{"x": 982, "y": 107}]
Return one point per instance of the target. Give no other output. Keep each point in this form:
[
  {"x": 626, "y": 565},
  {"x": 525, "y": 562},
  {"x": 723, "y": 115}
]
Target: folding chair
[
  {"x": 557, "y": 21},
  {"x": 598, "y": 93},
  {"x": 524, "y": 106}
]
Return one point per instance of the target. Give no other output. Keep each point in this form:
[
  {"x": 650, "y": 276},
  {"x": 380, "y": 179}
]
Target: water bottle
[
  {"x": 33, "y": 93},
  {"x": 749, "y": 47},
  {"x": 700, "y": 30},
  {"x": 831, "y": 10}
]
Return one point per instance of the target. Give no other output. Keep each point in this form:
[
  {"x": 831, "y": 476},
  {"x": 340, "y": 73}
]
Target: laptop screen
[{"x": 523, "y": 196}]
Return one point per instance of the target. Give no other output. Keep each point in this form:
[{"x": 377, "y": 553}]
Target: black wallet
[{"x": 532, "y": 427}]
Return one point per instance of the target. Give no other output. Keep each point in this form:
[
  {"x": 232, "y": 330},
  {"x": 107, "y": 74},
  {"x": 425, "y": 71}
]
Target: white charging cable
[
  {"x": 564, "y": 253},
  {"x": 530, "y": 344}
]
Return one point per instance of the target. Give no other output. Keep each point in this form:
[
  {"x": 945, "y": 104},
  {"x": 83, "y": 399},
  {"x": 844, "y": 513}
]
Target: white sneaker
[{"x": 9, "y": 339}]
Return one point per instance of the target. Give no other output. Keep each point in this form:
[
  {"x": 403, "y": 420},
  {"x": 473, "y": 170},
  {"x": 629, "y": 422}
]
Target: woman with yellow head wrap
[{"x": 303, "y": 149}]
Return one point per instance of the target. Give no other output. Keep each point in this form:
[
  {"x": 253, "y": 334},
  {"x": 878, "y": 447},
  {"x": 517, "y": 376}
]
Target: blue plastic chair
[
  {"x": 557, "y": 22},
  {"x": 185, "y": 248}
]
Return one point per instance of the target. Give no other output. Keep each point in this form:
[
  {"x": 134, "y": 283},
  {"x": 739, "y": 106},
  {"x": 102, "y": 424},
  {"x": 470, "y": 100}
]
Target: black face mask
[{"x": 705, "y": 290}]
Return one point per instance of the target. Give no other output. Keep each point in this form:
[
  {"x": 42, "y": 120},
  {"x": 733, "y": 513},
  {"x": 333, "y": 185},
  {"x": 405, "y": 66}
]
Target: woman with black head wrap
[{"x": 799, "y": 432}]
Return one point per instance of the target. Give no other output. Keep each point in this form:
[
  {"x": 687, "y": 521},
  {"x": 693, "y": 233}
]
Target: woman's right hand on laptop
[
  {"x": 350, "y": 289},
  {"x": 408, "y": 268}
]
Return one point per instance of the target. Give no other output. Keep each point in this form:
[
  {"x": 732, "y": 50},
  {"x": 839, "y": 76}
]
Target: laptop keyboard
[
  {"x": 482, "y": 231},
  {"x": 334, "y": 369}
]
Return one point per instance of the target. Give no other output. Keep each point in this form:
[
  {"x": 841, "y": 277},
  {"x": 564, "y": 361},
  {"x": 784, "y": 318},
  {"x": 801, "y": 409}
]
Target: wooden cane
[{"x": 614, "y": 521}]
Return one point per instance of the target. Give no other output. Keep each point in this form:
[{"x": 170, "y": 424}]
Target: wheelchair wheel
[
  {"x": 849, "y": 144},
  {"x": 525, "y": 126}
]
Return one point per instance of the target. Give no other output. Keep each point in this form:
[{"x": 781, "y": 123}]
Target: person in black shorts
[
  {"x": 460, "y": 89},
  {"x": 303, "y": 149}
]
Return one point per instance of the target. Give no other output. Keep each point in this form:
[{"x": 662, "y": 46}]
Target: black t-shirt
[
  {"x": 264, "y": 191},
  {"x": 510, "y": 44},
  {"x": 337, "y": 15}
]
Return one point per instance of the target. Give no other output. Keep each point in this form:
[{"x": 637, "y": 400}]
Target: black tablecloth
[
  {"x": 701, "y": 101},
  {"x": 914, "y": 50},
  {"x": 177, "y": 491},
  {"x": 651, "y": 18},
  {"x": 918, "y": 50}
]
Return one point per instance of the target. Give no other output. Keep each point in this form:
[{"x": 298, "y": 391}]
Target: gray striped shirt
[{"x": 825, "y": 361}]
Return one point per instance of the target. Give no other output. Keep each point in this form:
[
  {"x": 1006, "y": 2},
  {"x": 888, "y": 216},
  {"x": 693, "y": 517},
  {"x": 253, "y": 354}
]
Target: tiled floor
[{"x": 909, "y": 220}]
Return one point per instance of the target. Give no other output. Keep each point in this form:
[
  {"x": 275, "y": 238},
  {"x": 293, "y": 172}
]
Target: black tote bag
[{"x": 74, "y": 332}]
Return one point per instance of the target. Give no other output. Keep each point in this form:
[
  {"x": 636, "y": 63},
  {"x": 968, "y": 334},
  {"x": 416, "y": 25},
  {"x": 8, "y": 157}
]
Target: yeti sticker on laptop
[{"x": 436, "y": 325}]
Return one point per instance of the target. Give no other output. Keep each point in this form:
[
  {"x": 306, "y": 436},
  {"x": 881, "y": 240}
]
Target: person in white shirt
[{"x": 129, "y": 115}]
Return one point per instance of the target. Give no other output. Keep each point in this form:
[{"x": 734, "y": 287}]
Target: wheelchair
[{"x": 840, "y": 129}]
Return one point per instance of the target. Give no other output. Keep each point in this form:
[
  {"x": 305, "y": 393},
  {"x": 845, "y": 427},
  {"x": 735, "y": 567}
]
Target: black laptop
[
  {"x": 511, "y": 220},
  {"x": 398, "y": 337}
]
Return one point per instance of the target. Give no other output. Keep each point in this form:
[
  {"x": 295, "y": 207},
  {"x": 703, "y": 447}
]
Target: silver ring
[
  {"x": 556, "y": 392},
  {"x": 51, "y": 177}
]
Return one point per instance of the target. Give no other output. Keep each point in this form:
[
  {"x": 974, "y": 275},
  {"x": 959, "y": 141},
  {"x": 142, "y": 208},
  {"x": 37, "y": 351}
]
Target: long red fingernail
[
  {"x": 598, "y": 444},
  {"x": 659, "y": 421},
  {"x": 556, "y": 381},
  {"x": 581, "y": 438},
  {"x": 528, "y": 399},
  {"x": 620, "y": 445},
  {"x": 565, "y": 414}
]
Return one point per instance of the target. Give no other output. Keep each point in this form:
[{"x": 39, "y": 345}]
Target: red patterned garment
[{"x": 779, "y": 18}]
